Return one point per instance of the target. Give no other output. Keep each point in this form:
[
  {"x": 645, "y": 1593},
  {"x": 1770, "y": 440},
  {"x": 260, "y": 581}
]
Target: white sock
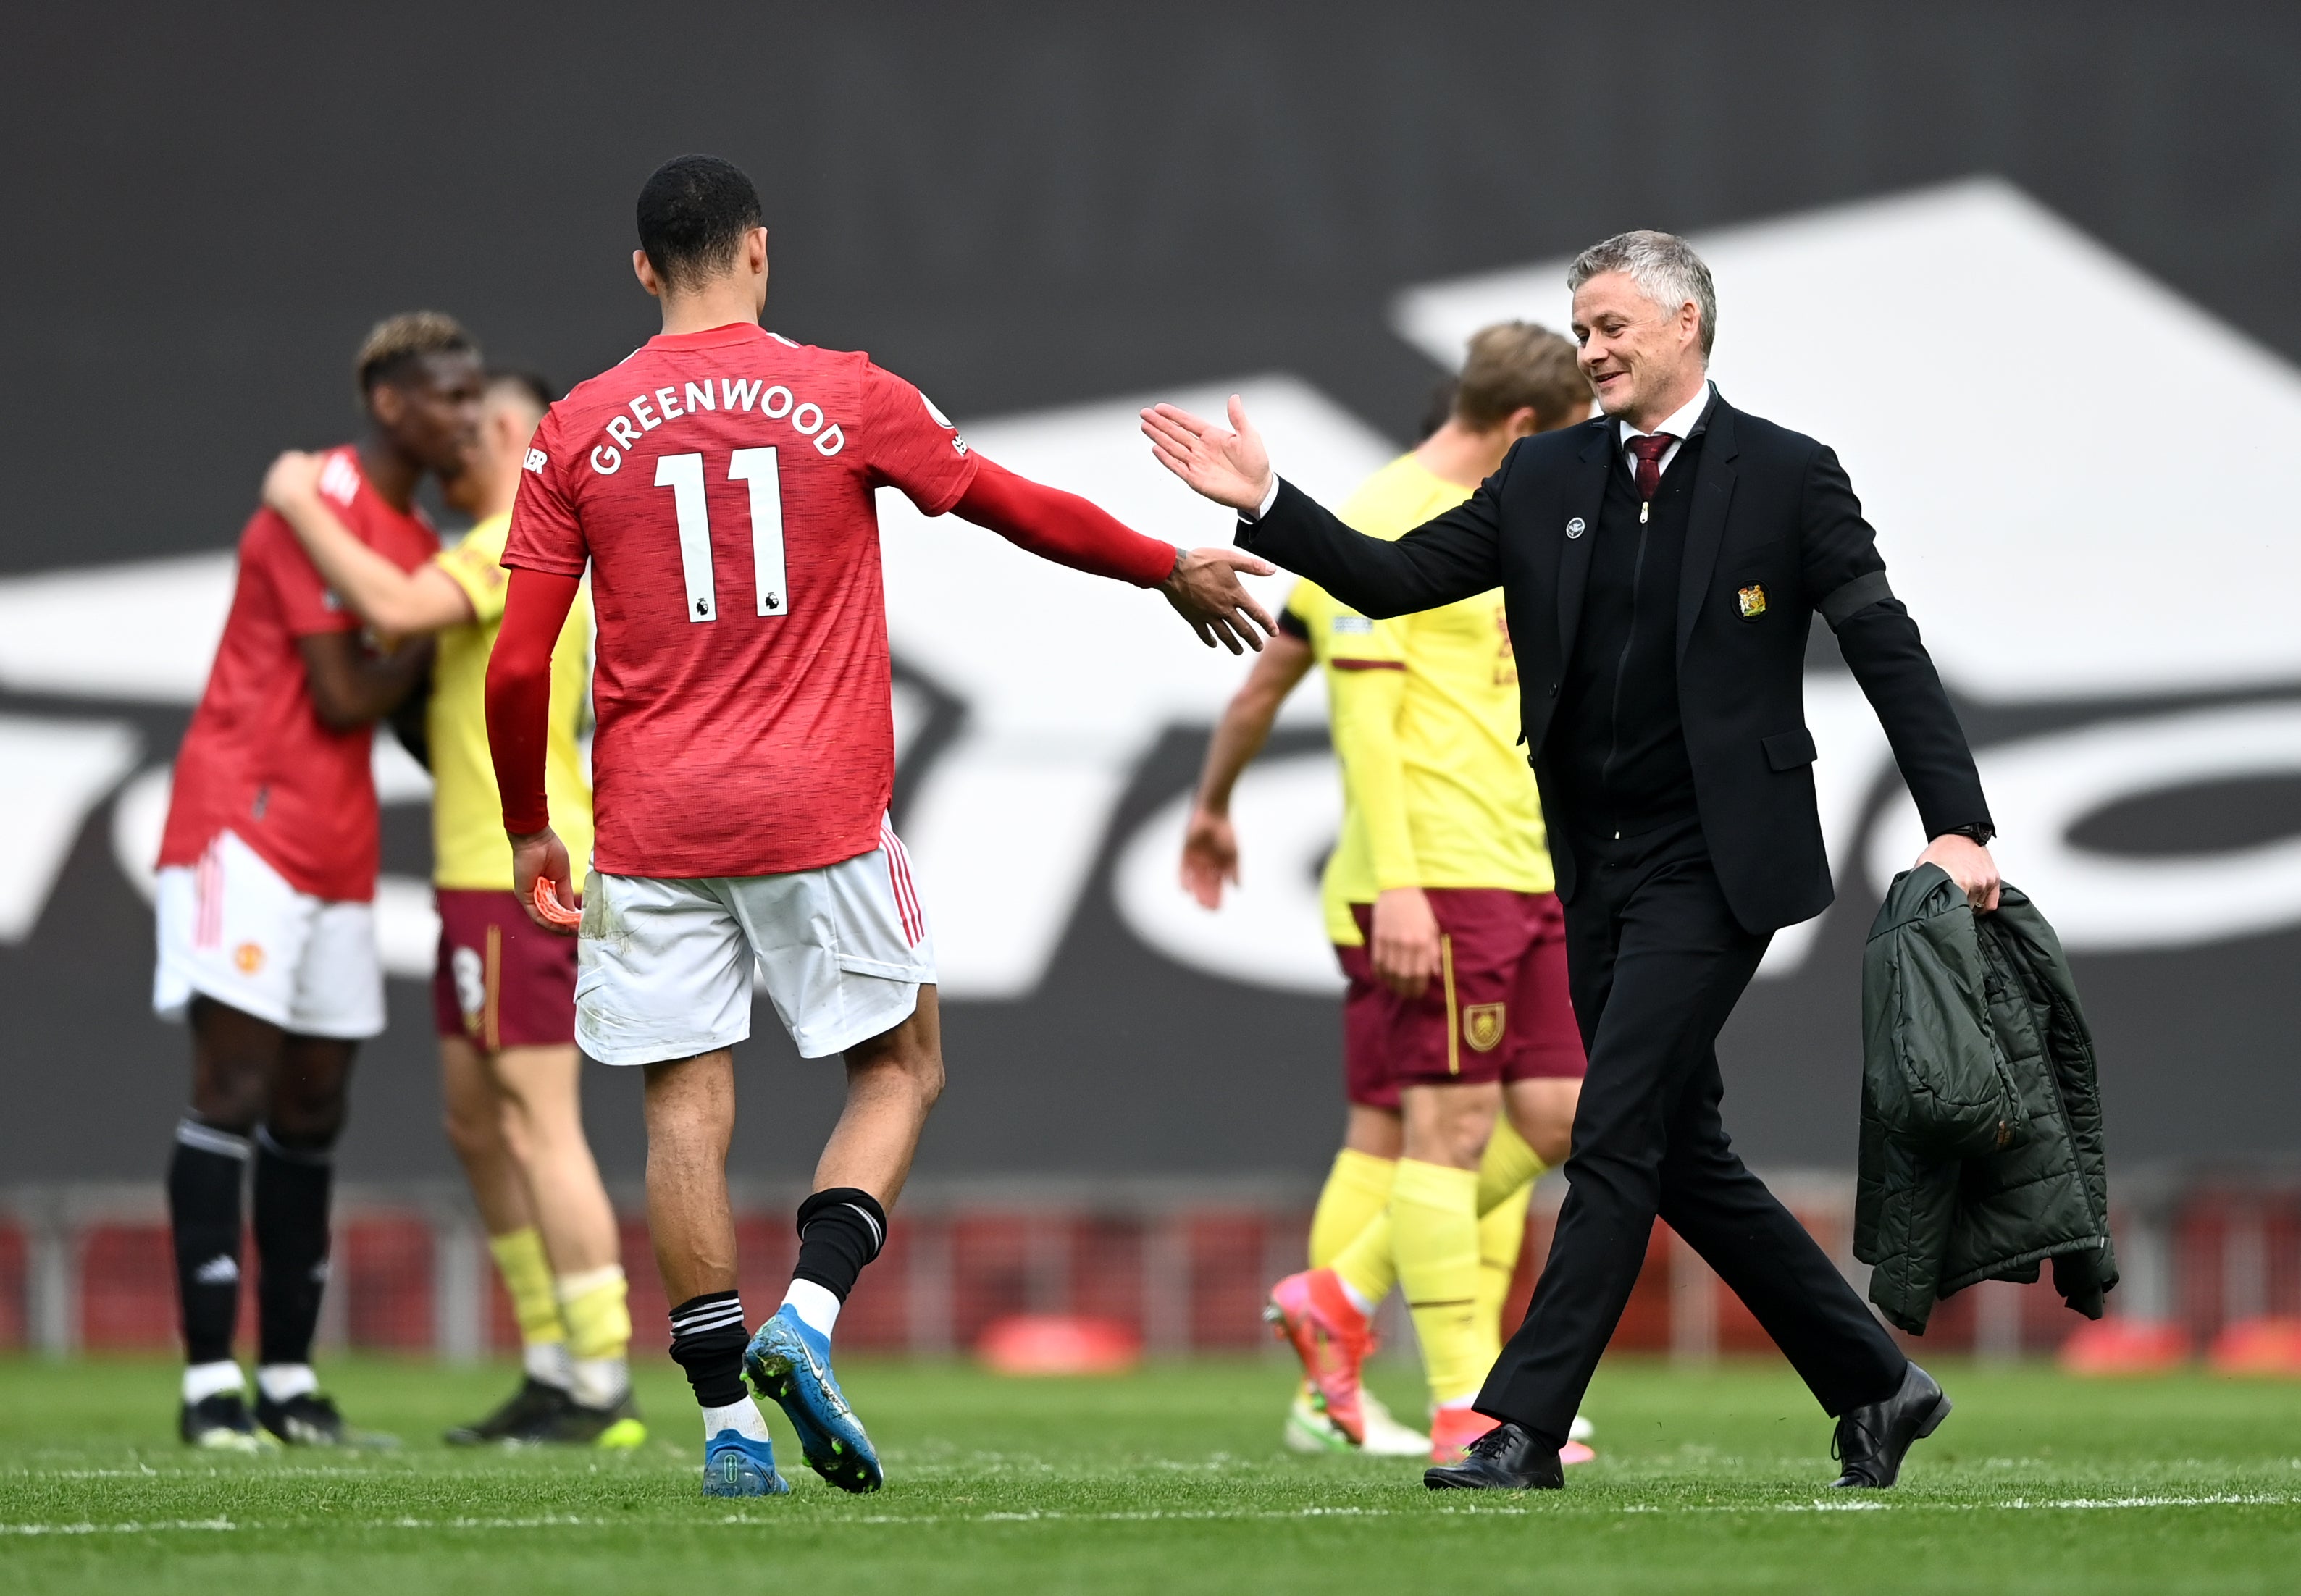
[
  {"x": 1358, "y": 1298},
  {"x": 285, "y": 1381},
  {"x": 548, "y": 1363},
  {"x": 203, "y": 1380},
  {"x": 742, "y": 1417},
  {"x": 813, "y": 1304},
  {"x": 599, "y": 1383}
]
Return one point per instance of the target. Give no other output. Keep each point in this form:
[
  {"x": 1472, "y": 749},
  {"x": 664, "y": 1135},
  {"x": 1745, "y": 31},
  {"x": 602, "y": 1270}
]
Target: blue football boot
[
  {"x": 790, "y": 1364},
  {"x": 736, "y": 1466}
]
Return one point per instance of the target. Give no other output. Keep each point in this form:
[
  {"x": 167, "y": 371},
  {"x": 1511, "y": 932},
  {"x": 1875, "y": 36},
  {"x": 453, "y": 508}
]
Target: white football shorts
[
  {"x": 232, "y": 929},
  {"x": 663, "y": 968}
]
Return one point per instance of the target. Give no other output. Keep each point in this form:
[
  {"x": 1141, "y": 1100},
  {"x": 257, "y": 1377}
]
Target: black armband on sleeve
[
  {"x": 1851, "y": 598},
  {"x": 1293, "y": 626}
]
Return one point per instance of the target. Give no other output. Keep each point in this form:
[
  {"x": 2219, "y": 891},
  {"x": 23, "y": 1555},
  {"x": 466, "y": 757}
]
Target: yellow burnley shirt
[
  {"x": 467, "y": 835},
  {"x": 1425, "y": 713}
]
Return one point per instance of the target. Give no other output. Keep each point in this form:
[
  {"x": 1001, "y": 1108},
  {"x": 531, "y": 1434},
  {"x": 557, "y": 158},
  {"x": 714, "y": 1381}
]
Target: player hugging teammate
[
  {"x": 1461, "y": 1062},
  {"x": 503, "y": 989},
  {"x": 265, "y": 900},
  {"x": 717, "y": 485}
]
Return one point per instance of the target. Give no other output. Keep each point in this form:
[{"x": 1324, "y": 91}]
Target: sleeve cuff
[{"x": 1262, "y": 509}]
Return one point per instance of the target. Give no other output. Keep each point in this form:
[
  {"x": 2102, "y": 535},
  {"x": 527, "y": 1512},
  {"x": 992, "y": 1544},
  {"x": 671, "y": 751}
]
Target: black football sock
[
  {"x": 204, "y": 1181},
  {"x": 707, "y": 1337},
  {"x": 293, "y": 1187},
  {"x": 840, "y": 1231}
]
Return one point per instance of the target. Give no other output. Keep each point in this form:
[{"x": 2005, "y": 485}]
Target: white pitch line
[{"x": 1159, "y": 1515}]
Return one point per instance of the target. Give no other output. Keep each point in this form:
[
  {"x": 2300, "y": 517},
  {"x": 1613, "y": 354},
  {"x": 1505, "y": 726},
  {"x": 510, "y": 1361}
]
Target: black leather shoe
[
  {"x": 1506, "y": 1458},
  {"x": 1872, "y": 1440}
]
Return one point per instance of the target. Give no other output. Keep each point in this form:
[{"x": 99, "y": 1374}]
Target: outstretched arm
[
  {"x": 393, "y": 601},
  {"x": 1451, "y": 557},
  {"x": 519, "y": 724},
  {"x": 1209, "y": 844},
  {"x": 1201, "y": 584}
]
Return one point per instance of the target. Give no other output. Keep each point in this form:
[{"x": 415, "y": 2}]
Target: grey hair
[{"x": 1665, "y": 268}]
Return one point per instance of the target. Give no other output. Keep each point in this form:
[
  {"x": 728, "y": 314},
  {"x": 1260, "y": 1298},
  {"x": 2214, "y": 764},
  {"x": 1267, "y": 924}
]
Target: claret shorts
[
  {"x": 502, "y": 981},
  {"x": 663, "y": 964},
  {"x": 1499, "y": 1009}
]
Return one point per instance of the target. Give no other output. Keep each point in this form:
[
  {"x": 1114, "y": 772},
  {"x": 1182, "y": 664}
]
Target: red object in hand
[{"x": 547, "y": 905}]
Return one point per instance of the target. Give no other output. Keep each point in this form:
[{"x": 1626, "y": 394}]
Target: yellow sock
[
  {"x": 598, "y": 1320},
  {"x": 1369, "y": 1265},
  {"x": 1508, "y": 1165},
  {"x": 1434, "y": 1218},
  {"x": 1501, "y": 1235},
  {"x": 527, "y": 1279},
  {"x": 1357, "y": 1187}
]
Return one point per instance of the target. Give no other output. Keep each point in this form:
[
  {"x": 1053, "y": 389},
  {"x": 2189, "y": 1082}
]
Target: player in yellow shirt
[
  {"x": 504, "y": 993},
  {"x": 1438, "y": 898}
]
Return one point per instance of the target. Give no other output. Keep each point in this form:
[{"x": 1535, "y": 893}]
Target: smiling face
[{"x": 1643, "y": 362}]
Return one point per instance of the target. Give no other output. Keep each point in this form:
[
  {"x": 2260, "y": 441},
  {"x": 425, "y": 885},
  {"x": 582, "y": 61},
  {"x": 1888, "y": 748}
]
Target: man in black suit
[{"x": 1660, "y": 565}]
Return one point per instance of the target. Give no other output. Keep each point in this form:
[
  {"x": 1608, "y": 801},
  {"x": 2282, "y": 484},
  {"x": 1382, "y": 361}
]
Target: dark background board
[{"x": 1019, "y": 207}]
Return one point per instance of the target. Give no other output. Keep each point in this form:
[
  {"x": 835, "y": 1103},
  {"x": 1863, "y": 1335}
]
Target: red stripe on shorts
[
  {"x": 899, "y": 877},
  {"x": 207, "y": 927}
]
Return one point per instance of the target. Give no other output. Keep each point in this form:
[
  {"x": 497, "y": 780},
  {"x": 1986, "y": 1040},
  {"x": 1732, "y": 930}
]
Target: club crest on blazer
[{"x": 1752, "y": 600}]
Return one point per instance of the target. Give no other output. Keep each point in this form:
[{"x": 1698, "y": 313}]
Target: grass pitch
[{"x": 1171, "y": 1481}]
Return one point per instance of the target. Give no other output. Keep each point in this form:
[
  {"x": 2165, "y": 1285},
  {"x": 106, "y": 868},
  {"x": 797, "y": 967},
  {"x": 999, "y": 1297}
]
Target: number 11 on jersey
[{"x": 683, "y": 475}]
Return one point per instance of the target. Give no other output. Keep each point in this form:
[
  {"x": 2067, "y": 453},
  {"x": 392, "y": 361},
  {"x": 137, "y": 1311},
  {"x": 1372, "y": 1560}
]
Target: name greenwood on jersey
[{"x": 719, "y": 485}]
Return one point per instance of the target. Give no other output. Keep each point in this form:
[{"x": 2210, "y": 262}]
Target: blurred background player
[
  {"x": 266, "y": 880},
  {"x": 504, "y": 991},
  {"x": 1438, "y": 900},
  {"x": 718, "y": 484}
]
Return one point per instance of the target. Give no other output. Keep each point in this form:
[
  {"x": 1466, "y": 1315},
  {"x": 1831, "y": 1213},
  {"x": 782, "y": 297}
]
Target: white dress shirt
[{"x": 1679, "y": 424}]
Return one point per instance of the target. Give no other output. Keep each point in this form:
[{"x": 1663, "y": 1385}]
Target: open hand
[
  {"x": 293, "y": 478},
  {"x": 543, "y": 857},
  {"x": 1227, "y": 464},
  {"x": 1205, "y": 590},
  {"x": 1210, "y": 856},
  {"x": 1968, "y": 864},
  {"x": 1404, "y": 946}
]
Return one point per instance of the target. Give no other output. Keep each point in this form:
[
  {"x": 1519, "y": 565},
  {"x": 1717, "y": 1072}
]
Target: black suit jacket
[{"x": 1772, "y": 511}]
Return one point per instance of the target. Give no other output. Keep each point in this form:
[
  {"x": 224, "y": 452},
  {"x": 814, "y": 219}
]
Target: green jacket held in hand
[{"x": 1981, "y": 1137}]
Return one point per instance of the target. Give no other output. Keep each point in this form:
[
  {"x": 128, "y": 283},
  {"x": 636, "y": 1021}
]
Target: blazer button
[{"x": 1553, "y": 689}]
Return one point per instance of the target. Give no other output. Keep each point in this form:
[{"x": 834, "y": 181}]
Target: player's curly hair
[
  {"x": 1516, "y": 363},
  {"x": 396, "y": 344}
]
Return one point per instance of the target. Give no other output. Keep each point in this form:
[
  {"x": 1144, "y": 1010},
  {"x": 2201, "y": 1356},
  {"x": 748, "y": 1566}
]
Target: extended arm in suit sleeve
[
  {"x": 1452, "y": 556},
  {"x": 1845, "y": 580}
]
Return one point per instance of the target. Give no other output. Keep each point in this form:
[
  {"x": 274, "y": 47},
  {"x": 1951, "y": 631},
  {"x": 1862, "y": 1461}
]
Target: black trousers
[{"x": 1657, "y": 962}]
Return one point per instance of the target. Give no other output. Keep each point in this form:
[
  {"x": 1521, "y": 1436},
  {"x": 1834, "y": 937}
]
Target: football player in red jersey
[
  {"x": 719, "y": 485},
  {"x": 264, "y": 894}
]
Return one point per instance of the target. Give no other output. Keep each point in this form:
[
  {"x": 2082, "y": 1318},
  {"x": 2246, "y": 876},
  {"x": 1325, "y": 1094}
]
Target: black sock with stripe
[
  {"x": 840, "y": 1231},
  {"x": 204, "y": 1176},
  {"x": 707, "y": 1337}
]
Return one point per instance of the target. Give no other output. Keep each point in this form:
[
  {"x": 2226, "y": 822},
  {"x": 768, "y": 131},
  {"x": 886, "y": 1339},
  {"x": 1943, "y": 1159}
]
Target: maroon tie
[{"x": 1650, "y": 451}]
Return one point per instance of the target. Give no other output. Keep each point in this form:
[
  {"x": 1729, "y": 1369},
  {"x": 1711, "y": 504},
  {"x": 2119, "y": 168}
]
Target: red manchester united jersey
[
  {"x": 719, "y": 485},
  {"x": 256, "y": 759}
]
